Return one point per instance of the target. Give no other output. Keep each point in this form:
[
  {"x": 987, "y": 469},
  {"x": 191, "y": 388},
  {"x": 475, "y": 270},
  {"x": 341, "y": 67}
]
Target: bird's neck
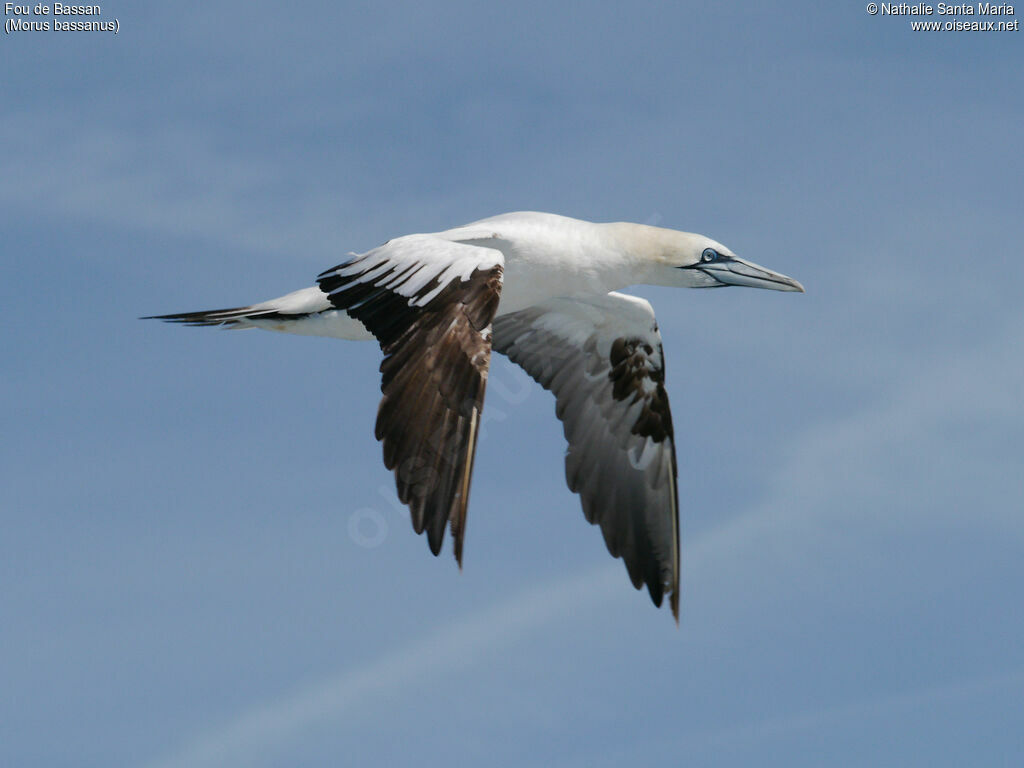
[{"x": 642, "y": 249}]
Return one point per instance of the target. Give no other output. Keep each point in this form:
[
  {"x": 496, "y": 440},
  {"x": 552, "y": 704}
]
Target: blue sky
[{"x": 201, "y": 555}]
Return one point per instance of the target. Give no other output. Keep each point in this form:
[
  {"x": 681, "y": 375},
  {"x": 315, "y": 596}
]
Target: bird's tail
[
  {"x": 289, "y": 308},
  {"x": 235, "y": 317}
]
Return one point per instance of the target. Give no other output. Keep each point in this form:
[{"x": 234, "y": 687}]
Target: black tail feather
[{"x": 213, "y": 316}]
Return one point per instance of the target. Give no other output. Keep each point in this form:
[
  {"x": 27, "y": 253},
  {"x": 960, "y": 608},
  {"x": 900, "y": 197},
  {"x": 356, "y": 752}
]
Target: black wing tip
[
  {"x": 436, "y": 540},
  {"x": 435, "y": 545},
  {"x": 438, "y": 545},
  {"x": 656, "y": 588},
  {"x": 458, "y": 551},
  {"x": 657, "y": 593}
]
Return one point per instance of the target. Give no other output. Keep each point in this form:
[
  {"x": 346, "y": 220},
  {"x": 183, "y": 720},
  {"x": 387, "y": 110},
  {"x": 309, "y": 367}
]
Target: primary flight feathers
[{"x": 540, "y": 289}]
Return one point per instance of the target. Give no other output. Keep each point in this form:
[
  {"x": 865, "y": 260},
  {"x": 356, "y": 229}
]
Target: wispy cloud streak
[{"x": 261, "y": 730}]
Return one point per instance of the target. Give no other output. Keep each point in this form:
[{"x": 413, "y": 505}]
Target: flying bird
[{"x": 542, "y": 290}]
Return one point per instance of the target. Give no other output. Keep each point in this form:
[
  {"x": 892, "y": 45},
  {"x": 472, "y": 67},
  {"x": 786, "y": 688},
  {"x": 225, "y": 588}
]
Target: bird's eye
[{"x": 708, "y": 255}]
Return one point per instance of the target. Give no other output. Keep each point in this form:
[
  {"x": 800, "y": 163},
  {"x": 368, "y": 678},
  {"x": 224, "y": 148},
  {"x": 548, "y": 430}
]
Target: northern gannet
[{"x": 541, "y": 289}]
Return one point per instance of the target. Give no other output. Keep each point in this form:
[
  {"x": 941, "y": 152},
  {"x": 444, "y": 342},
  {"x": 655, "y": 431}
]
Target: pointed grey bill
[{"x": 736, "y": 271}]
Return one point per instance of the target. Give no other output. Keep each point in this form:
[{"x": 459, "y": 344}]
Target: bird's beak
[{"x": 736, "y": 271}]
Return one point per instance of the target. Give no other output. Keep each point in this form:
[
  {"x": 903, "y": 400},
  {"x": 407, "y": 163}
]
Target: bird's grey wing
[
  {"x": 602, "y": 358},
  {"x": 430, "y": 303}
]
